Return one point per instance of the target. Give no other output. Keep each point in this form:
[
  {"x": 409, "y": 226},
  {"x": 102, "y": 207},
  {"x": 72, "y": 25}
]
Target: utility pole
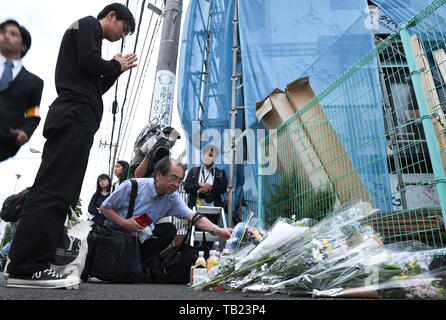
[
  {"x": 234, "y": 108},
  {"x": 164, "y": 87}
]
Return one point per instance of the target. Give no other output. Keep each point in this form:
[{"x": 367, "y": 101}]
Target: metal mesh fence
[{"x": 377, "y": 133}]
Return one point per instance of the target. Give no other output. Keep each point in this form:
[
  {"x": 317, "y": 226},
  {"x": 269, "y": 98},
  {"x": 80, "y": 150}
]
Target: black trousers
[
  {"x": 164, "y": 234},
  {"x": 69, "y": 129},
  {"x": 7, "y": 147}
]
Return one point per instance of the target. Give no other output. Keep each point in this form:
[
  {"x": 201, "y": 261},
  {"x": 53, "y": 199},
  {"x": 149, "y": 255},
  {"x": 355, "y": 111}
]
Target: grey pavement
[
  {"x": 105, "y": 291},
  {"x": 174, "y": 302},
  {"x": 177, "y": 302}
]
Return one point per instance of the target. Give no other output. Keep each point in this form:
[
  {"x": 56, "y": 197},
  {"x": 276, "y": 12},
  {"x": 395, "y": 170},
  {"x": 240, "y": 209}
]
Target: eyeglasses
[{"x": 174, "y": 178}]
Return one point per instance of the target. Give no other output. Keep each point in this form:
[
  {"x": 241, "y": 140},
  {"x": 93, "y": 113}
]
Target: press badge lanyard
[{"x": 202, "y": 174}]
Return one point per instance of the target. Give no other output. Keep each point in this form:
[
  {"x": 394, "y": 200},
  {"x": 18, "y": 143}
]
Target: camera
[{"x": 208, "y": 196}]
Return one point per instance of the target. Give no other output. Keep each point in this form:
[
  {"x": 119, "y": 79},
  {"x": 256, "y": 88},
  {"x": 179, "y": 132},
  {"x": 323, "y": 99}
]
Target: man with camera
[
  {"x": 206, "y": 184},
  {"x": 154, "y": 149}
]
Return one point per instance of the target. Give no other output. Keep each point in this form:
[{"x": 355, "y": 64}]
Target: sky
[{"x": 47, "y": 21}]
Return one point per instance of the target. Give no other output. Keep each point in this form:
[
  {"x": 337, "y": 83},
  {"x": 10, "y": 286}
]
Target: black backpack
[{"x": 12, "y": 206}]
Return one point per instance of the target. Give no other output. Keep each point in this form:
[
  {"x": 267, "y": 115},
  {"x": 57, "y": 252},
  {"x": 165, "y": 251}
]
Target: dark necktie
[{"x": 7, "y": 75}]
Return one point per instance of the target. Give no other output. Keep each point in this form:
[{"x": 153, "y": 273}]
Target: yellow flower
[{"x": 326, "y": 244}]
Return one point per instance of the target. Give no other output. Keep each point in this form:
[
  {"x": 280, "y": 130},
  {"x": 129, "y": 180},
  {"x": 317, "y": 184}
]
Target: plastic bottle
[
  {"x": 213, "y": 263},
  {"x": 213, "y": 260},
  {"x": 201, "y": 261},
  {"x": 199, "y": 271},
  {"x": 216, "y": 246},
  {"x": 191, "y": 275},
  {"x": 225, "y": 253}
]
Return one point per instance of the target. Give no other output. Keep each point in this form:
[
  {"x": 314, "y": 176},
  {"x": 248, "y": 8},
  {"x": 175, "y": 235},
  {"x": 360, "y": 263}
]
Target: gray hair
[{"x": 163, "y": 166}]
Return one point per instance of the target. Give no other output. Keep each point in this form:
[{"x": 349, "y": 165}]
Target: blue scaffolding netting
[{"x": 281, "y": 41}]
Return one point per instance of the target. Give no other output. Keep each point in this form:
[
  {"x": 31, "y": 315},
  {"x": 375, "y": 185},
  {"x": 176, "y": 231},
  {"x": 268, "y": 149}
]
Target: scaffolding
[
  {"x": 236, "y": 77},
  {"x": 398, "y": 86}
]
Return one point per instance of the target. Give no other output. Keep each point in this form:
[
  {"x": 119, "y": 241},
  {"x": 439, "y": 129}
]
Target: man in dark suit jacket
[
  {"x": 206, "y": 184},
  {"x": 81, "y": 78},
  {"x": 20, "y": 90}
]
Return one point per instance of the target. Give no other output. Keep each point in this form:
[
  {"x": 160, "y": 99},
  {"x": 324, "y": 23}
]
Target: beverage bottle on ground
[{"x": 199, "y": 271}]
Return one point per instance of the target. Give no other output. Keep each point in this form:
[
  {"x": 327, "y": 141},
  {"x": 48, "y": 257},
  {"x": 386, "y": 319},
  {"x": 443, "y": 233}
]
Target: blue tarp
[
  {"x": 213, "y": 110},
  {"x": 204, "y": 103},
  {"x": 400, "y": 11},
  {"x": 281, "y": 40}
]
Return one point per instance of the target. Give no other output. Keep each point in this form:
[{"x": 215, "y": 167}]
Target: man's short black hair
[
  {"x": 26, "y": 36},
  {"x": 122, "y": 13},
  {"x": 168, "y": 130}
]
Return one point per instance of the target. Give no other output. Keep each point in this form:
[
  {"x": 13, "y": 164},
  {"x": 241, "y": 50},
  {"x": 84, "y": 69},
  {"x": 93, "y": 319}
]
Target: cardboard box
[
  {"x": 294, "y": 151},
  {"x": 274, "y": 110},
  {"x": 326, "y": 143}
]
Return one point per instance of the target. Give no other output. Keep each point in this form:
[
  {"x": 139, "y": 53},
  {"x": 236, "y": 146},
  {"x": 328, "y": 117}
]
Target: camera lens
[{"x": 209, "y": 197}]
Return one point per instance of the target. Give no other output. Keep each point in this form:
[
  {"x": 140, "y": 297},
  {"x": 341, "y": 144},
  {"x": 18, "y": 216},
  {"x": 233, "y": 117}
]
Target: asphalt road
[
  {"x": 176, "y": 302},
  {"x": 106, "y": 291}
]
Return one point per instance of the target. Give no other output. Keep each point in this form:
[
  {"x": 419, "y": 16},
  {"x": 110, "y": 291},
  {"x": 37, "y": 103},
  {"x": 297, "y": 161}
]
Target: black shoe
[{"x": 46, "y": 279}]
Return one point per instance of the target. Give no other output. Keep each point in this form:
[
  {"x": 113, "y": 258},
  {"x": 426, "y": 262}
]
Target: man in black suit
[
  {"x": 20, "y": 90},
  {"x": 81, "y": 78},
  {"x": 206, "y": 184}
]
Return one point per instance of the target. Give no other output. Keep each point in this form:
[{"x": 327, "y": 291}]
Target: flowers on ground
[{"x": 340, "y": 256}]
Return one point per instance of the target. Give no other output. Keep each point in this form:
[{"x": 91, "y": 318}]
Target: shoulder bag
[
  {"x": 113, "y": 255},
  {"x": 172, "y": 266}
]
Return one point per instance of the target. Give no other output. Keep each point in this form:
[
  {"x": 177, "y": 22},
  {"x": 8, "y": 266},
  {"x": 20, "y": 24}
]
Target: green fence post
[
  {"x": 259, "y": 182},
  {"x": 426, "y": 117}
]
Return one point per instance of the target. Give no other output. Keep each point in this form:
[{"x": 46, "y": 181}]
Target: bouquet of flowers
[
  {"x": 340, "y": 256},
  {"x": 428, "y": 285},
  {"x": 403, "y": 270},
  {"x": 294, "y": 245},
  {"x": 252, "y": 255},
  {"x": 333, "y": 239}
]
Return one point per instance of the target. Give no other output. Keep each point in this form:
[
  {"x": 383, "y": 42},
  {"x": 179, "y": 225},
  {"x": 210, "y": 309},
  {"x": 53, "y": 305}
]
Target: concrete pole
[
  {"x": 234, "y": 79},
  {"x": 164, "y": 87}
]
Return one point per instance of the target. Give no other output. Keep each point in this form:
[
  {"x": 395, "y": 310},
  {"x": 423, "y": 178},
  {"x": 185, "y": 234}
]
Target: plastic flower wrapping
[
  {"x": 246, "y": 233},
  {"x": 339, "y": 256}
]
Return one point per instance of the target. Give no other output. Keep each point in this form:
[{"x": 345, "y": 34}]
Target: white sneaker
[
  {"x": 46, "y": 279},
  {"x": 5, "y": 273}
]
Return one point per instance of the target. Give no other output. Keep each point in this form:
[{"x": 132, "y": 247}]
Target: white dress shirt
[
  {"x": 15, "y": 70},
  {"x": 206, "y": 176}
]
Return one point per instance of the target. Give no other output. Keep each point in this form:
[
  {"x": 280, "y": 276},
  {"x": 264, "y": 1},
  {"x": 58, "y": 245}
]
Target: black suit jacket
[
  {"x": 22, "y": 95},
  {"x": 218, "y": 187}
]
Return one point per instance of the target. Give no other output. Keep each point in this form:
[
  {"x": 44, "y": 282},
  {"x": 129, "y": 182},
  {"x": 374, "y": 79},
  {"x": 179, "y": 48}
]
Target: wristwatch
[{"x": 213, "y": 229}]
